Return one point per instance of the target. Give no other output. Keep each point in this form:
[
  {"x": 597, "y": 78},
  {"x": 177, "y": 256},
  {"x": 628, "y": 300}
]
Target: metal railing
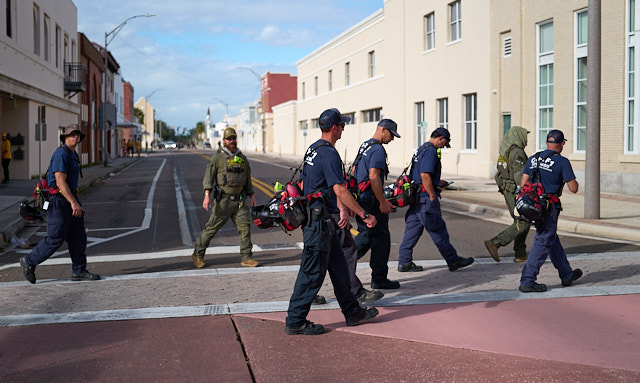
[{"x": 75, "y": 75}]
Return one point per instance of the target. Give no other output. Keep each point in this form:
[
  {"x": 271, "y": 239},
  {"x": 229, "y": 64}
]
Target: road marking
[
  {"x": 213, "y": 250},
  {"x": 185, "y": 234}
]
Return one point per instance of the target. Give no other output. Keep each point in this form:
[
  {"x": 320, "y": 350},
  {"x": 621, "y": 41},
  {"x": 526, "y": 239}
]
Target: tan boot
[
  {"x": 250, "y": 263},
  {"x": 493, "y": 250},
  {"x": 198, "y": 261}
]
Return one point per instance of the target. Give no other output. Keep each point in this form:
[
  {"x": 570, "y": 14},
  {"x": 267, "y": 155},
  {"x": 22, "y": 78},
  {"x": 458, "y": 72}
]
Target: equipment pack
[{"x": 532, "y": 203}]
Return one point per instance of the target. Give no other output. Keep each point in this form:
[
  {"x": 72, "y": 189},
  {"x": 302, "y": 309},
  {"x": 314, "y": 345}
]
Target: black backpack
[{"x": 532, "y": 203}]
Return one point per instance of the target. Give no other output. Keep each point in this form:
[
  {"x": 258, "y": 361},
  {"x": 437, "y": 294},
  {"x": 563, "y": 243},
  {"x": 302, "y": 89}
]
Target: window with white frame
[
  {"x": 429, "y": 32},
  {"x": 545, "y": 82},
  {"x": 372, "y": 64},
  {"x": 632, "y": 108},
  {"x": 443, "y": 113},
  {"x": 421, "y": 128},
  {"x": 304, "y": 125},
  {"x": 315, "y": 86},
  {"x": 315, "y": 123},
  {"x": 470, "y": 121},
  {"x": 330, "y": 80},
  {"x": 351, "y": 115},
  {"x": 347, "y": 74},
  {"x": 371, "y": 115},
  {"x": 36, "y": 30},
  {"x": 580, "y": 91},
  {"x": 455, "y": 21}
]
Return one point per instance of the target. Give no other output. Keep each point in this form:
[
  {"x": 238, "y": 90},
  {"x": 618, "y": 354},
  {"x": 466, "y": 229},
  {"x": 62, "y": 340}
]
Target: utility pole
[{"x": 592, "y": 156}]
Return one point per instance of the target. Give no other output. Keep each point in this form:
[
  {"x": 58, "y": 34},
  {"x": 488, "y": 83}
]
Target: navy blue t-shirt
[
  {"x": 427, "y": 162},
  {"x": 373, "y": 157},
  {"x": 322, "y": 169},
  {"x": 62, "y": 161},
  {"x": 554, "y": 171}
]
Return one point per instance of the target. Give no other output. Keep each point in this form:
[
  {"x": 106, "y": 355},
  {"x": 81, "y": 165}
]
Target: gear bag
[
  {"x": 532, "y": 203},
  {"x": 351, "y": 183},
  {"x": 405, "y": 191}
]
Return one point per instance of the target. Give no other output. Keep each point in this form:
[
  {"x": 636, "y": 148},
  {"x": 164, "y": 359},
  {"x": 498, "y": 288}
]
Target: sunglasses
[
  {"x": 75, "y": 133},
  {"x": 231, "y": 138}
]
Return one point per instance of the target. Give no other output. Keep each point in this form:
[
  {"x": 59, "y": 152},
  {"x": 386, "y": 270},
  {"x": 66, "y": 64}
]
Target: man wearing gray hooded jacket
[{"x": 510, "y": 166}]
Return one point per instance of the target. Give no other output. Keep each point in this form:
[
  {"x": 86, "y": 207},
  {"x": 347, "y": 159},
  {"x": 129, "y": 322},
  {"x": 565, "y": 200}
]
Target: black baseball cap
[
  {"x": 442, "y": 132},
  {"x": 555, "y": 137},
  {"x": 331, "y": 117},
  {"x": 390, "y": 125}
]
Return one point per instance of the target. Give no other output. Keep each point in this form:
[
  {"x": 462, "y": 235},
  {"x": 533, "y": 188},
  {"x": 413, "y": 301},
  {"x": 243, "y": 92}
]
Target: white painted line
[
  {"x": 185, "y": 234},
  {"x": 216, "y": 250}
]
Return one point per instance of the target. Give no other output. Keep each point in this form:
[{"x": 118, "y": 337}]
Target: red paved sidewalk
[{"x": 586, "y": 339}]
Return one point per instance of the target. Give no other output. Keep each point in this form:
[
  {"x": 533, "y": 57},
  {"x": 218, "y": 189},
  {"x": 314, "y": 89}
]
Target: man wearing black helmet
[{"x": 65, "y": 216}]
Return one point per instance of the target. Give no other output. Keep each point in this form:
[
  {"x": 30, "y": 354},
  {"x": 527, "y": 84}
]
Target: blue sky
[{"x": 188, "y": 53}]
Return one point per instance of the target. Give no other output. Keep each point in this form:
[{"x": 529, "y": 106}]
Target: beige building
[
  {"x": 39, "y": 70},
  {"x": 147, "y": 128},
  {"x": 476, "y": 67}
]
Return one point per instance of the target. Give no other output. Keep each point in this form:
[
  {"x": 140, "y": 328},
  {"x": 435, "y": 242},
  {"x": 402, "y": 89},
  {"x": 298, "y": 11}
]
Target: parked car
[
  {"x": 207, "y": 145},
  {"x": 170, "y": 145},
  {"x": 160, "y": 145}
]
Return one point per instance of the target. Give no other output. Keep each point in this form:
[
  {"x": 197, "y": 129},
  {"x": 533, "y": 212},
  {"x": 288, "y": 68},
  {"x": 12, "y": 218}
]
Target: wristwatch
[
  {"x": 206, "y": 193},
  {"x": 365, "y": 216}
]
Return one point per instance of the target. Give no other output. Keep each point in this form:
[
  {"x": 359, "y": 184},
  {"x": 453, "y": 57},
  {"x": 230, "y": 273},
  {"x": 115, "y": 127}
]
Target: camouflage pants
[
  {"x": 517, "y": 232},
  {"x": 240, "y": 215}
]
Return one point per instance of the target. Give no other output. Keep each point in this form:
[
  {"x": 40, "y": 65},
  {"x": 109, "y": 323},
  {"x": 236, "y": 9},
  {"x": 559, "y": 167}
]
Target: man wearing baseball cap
[
  {"x": 425, "y": 213},
  {"x": 323, "y": 183},
  {"x": 555, "y": 171},
  {"x": 65, "y": 215},
  {"x": 371, "y": 170},
  {"x": 228, "y": 192}
]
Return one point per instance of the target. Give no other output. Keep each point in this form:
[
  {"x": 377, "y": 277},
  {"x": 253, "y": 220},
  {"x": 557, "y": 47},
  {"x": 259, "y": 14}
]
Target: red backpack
[{"x": 532, "y": 202}]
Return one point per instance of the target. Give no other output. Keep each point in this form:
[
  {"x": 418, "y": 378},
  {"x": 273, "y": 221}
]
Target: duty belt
[{"x": 232, "y": 197}]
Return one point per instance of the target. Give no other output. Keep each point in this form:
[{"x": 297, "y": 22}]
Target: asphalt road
[{"x": 151, "y": 212}]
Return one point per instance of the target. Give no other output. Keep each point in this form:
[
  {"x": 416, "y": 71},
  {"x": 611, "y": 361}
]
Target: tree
[{"x": 139, "y": 115}]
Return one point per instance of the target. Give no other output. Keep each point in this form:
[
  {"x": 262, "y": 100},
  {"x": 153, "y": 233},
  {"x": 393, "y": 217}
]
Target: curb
[{"x": 576, "y": 227}]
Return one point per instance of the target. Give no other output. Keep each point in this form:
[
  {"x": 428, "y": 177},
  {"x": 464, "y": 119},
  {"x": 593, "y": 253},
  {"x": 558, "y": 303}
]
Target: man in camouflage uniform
[
  {"x": 510, "y": 166},
  {"x": 227, "y": 184}
]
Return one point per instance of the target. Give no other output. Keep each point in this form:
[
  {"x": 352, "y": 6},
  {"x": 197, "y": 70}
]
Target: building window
[
  {"x": 470, "y": 121},
  {"x": 443, "y": 113},
  {"x": 36, "y": 30},
  {"x": 330, "y": 84},
  {"x": 57, "y": 54},
  {"x": 421, "y": 124},
  {"x": 353, "y": 118},
  {"x": 632, "y": 131},
  {"x": 506, "y": 123},
  {"x": 315, "y": 86},
  {"x": 455, "y": 21},
  {"x": 8, "y": 19},
  {"x": 371, "y": 115},
  {"x": 506, "y": 47},
  {"x": 580, "y": 117},
  {"x": 429, "y": 32},
  {"x": 304, "y": 125},
  {"x": 315, "y": 123},
  {"x": 545, "y": 82},
  {"x": 372, "y": 64},
  {"x": 347, "y": 74},
  {"x": 47, "y": 22},
  {"x": 65, "y": 48},
  {"x": 304, "y": 90}
]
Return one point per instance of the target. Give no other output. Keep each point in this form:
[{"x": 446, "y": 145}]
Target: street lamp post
[
  {"x": 153, "y": 125},
  {"x": 111, "y": 34},
  {"x": 226, "y": 106},
  {"x": 262, "y": 107}
]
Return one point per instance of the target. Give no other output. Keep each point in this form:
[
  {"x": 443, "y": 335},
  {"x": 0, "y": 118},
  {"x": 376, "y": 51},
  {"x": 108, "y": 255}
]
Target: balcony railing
[{"x": 75, "y": 75}]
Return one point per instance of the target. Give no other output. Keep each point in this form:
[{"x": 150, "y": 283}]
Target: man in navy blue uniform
[
  {"x": 323, "y": 180},
  {"x": 425, "y": 211},
  {"x": 65, "y": 216},
  {"x": 555, "y": 171},
  {"x": 371, "y": 171}
]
